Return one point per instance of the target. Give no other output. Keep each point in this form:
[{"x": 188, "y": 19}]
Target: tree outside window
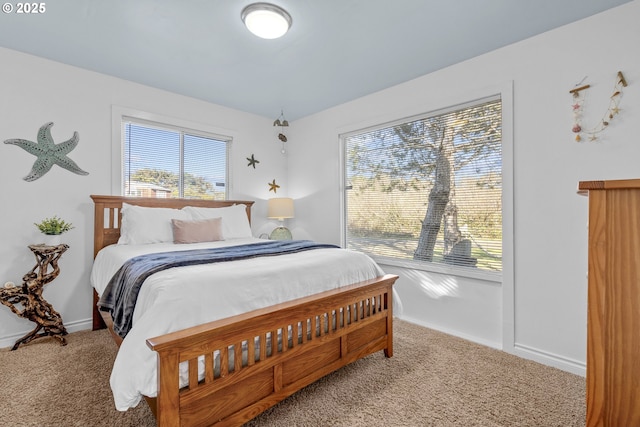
[{"x": 429, "y": 188}]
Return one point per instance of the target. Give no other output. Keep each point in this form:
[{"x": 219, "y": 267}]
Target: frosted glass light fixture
[
  {"x": 280, "y": 208},
  {"x": 266, "y": 20}
]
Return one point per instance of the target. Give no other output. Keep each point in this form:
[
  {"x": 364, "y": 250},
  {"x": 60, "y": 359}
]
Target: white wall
[
  {"x": 35, "y": 91},
  {"x": 542, "y": 315}
]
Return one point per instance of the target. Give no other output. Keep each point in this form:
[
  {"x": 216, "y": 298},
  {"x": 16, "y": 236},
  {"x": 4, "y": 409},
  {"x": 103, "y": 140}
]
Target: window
[
  {"x": 428, "y": 188},
  {"x": 167, "y": 161}
]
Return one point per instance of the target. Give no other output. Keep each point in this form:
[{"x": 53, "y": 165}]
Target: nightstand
[{"x": 27, "y": 301}]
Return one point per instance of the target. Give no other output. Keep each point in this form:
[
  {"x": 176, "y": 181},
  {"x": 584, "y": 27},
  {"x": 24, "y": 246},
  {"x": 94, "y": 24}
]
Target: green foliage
[
  {"x": 388, "y": 223},
  {"x": 195, "y": 187},
  {"x": 53, "y": 225}
]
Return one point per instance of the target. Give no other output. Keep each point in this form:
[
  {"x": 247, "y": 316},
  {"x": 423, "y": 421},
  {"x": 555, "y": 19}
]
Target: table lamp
[{"x": 280, "y": 208}]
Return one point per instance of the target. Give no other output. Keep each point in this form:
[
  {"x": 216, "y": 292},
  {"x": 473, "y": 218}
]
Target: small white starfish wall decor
[{"x": 48, "y": 153}]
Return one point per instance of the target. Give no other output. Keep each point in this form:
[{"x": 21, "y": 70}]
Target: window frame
[
  {"x": 505, "y": 93},
  {"x": 121, "y": 114}
]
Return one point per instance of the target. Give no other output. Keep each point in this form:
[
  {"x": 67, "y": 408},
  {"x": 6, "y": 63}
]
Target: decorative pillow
[
  {"x": 141, "y": 225},
  {"x": 235, "y": 223},
  {"x": 196, "y": 231}
]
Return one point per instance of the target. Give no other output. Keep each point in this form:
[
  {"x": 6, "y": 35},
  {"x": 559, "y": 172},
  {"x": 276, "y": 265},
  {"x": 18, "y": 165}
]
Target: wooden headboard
[{"x": 108, "y": 213}]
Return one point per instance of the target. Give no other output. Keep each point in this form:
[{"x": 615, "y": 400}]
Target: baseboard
[
  {"x": 551, "y": 359},
  {"x": 529, "y": 353},
  {"x": 439, "y": 328},
  {"x": 78, "y": 325}
]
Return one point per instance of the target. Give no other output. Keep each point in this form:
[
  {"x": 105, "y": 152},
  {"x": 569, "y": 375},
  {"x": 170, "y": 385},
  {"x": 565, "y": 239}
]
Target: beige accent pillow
[{"x": 200, "y": 230}]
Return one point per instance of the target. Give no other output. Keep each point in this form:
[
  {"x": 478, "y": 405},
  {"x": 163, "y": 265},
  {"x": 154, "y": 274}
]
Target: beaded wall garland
[{"x": 578, "y": 106}]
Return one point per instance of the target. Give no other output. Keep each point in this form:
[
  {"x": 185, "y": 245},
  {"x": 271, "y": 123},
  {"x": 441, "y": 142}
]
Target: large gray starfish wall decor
[{"x": 48, "y": 153}]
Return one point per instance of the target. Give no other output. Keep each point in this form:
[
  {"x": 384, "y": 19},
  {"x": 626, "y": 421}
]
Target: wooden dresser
[{"x": 613, "y": 331}]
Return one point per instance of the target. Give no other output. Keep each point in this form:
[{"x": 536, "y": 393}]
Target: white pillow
[
  {"x": 141, "y": 225},
  {"x": 235, "y": 223}
]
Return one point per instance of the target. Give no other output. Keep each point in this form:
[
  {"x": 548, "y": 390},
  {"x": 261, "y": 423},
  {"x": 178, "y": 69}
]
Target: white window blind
[
  {"x": 167, "y": 161},
  {"x": 428, "y": 188}
]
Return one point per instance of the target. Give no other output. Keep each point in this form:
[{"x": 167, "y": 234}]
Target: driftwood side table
[{"x": 27, "y": 300}]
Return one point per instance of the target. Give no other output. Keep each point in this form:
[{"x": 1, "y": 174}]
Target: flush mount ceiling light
[{"x": 266, "y": 20}]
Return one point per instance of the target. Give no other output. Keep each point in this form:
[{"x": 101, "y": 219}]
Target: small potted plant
[{"x": 52, "y": 228}]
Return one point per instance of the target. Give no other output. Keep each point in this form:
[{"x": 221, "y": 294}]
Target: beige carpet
[{"x": 432, "y": 380}]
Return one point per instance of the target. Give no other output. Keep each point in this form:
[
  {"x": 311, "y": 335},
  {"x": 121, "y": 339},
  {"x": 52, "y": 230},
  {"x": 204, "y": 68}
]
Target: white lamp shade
[
  {"x": 280, "y": 208},
  {"x": 266, "y": 20}
]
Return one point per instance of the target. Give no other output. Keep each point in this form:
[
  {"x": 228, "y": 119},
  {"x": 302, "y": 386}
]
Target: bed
[{"x": 227, "y": 370}]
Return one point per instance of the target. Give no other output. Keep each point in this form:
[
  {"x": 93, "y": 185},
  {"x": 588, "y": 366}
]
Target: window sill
[{"x": 469, "y": 272}]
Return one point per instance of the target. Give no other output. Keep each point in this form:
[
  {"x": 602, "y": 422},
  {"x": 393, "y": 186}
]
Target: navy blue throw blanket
[{"x": 120, "y": 295}]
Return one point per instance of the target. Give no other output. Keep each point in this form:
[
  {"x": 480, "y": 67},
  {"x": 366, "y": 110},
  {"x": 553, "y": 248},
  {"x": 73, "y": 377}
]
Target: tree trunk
[{"x": 438, "y": 200}]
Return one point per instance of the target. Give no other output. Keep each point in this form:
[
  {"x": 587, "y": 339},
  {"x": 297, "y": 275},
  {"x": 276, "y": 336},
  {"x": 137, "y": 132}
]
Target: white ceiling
[{"x": 336, "y": 50}]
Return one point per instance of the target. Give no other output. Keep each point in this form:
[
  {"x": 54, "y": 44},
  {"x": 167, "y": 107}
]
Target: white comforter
[{"x": 182, "y": 297}]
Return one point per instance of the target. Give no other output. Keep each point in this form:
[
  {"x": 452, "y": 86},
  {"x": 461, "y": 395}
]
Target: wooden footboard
[{"x": 276, "y": 351}]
